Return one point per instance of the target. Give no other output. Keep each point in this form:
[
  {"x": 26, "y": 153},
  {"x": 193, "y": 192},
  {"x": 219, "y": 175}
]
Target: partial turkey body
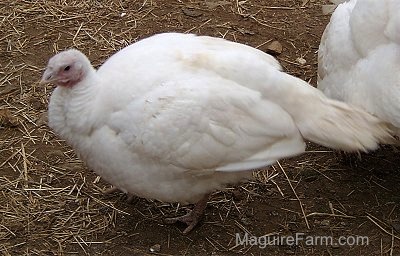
[
  {"x": 359, "y": 57},
  {"x": 175, "y": 117}
]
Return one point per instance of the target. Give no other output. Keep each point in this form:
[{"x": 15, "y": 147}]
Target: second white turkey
[{"x": 359, "y": 57}]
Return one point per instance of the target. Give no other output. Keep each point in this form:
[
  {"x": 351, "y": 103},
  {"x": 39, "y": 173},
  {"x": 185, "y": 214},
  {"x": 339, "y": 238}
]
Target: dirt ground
[{"x": 51, "y": 204}]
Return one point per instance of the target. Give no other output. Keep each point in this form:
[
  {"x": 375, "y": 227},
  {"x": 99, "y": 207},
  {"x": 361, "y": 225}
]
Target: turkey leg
[{"x": 193, "y": 216}]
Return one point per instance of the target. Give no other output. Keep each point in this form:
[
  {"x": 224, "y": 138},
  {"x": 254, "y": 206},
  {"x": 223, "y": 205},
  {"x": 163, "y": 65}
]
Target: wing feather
[{"x": 197, "y": 126}]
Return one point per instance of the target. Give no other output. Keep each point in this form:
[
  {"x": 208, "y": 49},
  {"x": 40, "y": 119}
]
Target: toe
[{"x": 190, "y": 227}]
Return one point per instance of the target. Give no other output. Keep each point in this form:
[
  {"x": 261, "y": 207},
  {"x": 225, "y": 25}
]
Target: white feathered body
[
  {"x": 359, "y": 57},
  {"x": 175, "y": 116}
]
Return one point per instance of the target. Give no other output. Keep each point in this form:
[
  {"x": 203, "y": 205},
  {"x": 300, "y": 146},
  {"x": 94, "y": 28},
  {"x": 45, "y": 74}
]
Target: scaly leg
[{"x": 192, "y": 217}]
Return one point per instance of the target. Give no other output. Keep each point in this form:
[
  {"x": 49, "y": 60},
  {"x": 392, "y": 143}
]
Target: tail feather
[
  {"x": 344, "y": 127},
  {"x": 325, "y": 121}
]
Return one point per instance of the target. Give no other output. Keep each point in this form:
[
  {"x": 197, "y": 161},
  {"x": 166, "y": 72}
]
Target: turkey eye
[{"x": 67, "y": 68}]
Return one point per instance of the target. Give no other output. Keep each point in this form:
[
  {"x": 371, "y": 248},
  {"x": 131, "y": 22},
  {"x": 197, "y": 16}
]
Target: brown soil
[{"x": 50, "y": 204}]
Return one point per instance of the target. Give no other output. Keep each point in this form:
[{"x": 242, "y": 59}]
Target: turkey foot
[
  {"x": 192, "y": 217},
  {"x": 115, "y": 189}
]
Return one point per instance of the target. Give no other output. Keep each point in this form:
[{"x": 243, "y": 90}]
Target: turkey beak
[{"x": 47, "y": 77}]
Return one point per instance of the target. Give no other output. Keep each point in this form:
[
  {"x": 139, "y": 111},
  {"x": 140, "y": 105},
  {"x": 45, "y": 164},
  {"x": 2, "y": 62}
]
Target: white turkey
[
  {"x": 359, "y": 57},
  {"x": 175, "y": 117}
]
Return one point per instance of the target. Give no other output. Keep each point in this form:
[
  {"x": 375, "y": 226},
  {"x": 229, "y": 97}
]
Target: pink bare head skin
[{"x": 67, "y": 68}]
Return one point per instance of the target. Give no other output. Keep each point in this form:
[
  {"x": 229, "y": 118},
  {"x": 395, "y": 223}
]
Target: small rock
[
  {"x": 301, "y": 61},
  {"x": 191, "y": 12},
  {"x": 274, "y": 48},
  {"x": 122, "y": 14},
  {"x": 155, "y": 248}
]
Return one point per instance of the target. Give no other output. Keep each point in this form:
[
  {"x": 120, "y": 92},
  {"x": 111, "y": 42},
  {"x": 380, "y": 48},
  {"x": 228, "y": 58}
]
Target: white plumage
[
  {"x": 175, "y": 117},
  {"x": 359, "y": 57}
]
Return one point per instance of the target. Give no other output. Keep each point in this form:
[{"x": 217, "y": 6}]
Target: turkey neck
[{"x": 73, "y": 110}]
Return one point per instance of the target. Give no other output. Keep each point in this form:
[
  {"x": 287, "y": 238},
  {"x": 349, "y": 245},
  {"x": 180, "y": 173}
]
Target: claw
[{"x": 192, "y": 217}]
